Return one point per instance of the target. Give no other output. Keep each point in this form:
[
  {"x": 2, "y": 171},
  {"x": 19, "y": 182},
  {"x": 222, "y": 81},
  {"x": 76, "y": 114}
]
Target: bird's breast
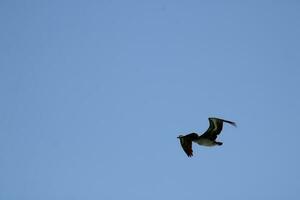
[{"x": 205, "y": 142}]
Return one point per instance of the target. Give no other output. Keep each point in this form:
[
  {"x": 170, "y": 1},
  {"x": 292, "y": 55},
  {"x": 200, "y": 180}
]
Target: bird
[{"x": 208, "y": 138}]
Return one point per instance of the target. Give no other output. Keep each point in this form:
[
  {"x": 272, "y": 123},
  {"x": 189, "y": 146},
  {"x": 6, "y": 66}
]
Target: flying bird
[{"x": 208, "y": 138}]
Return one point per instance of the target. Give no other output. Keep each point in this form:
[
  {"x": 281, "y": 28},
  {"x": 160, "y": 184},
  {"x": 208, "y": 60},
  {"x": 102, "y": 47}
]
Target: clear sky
[{"x": 94, "y": 94}]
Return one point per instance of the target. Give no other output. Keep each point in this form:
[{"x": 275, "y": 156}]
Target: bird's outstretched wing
[
  {"x": 215, "y": 128},
  {"x": 186, "y": 143}
]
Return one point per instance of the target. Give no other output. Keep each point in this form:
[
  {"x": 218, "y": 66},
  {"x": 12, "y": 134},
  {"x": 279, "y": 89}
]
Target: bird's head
[{"x": 180, "y": 136}]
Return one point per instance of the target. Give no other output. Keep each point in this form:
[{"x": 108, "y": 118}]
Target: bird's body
[
  {"x": 205, "y": 142},
  {"x": 208, "y": 138}
]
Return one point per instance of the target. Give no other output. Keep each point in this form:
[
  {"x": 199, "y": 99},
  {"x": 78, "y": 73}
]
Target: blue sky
[{"x": 94, "y": 94}]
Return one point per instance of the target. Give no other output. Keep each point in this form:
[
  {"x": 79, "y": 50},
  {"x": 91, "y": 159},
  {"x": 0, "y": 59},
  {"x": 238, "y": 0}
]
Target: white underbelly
[{"x": 205, "y": 142}]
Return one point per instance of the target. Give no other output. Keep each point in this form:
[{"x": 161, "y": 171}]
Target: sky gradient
[{"x": 94, "y": 94}]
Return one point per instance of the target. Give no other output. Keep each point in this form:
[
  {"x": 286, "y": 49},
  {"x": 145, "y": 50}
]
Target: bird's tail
[{"x": 229, "y": 122}]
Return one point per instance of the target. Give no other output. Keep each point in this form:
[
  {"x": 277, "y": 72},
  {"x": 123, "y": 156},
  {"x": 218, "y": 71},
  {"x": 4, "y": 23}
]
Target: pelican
[{"x": 208, "y": 138}]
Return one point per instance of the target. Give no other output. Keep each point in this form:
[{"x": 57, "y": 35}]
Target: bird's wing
[
  {"x": 215, "y": 128},
  {"x": 186, "y": 143}
]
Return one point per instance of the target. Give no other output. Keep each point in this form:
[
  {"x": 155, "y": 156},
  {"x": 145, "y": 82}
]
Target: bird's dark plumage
[
  {"x": 215, "y": 128},
  {"x": 186, "y": 143},
  {"x": 208, "y": 138}
]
